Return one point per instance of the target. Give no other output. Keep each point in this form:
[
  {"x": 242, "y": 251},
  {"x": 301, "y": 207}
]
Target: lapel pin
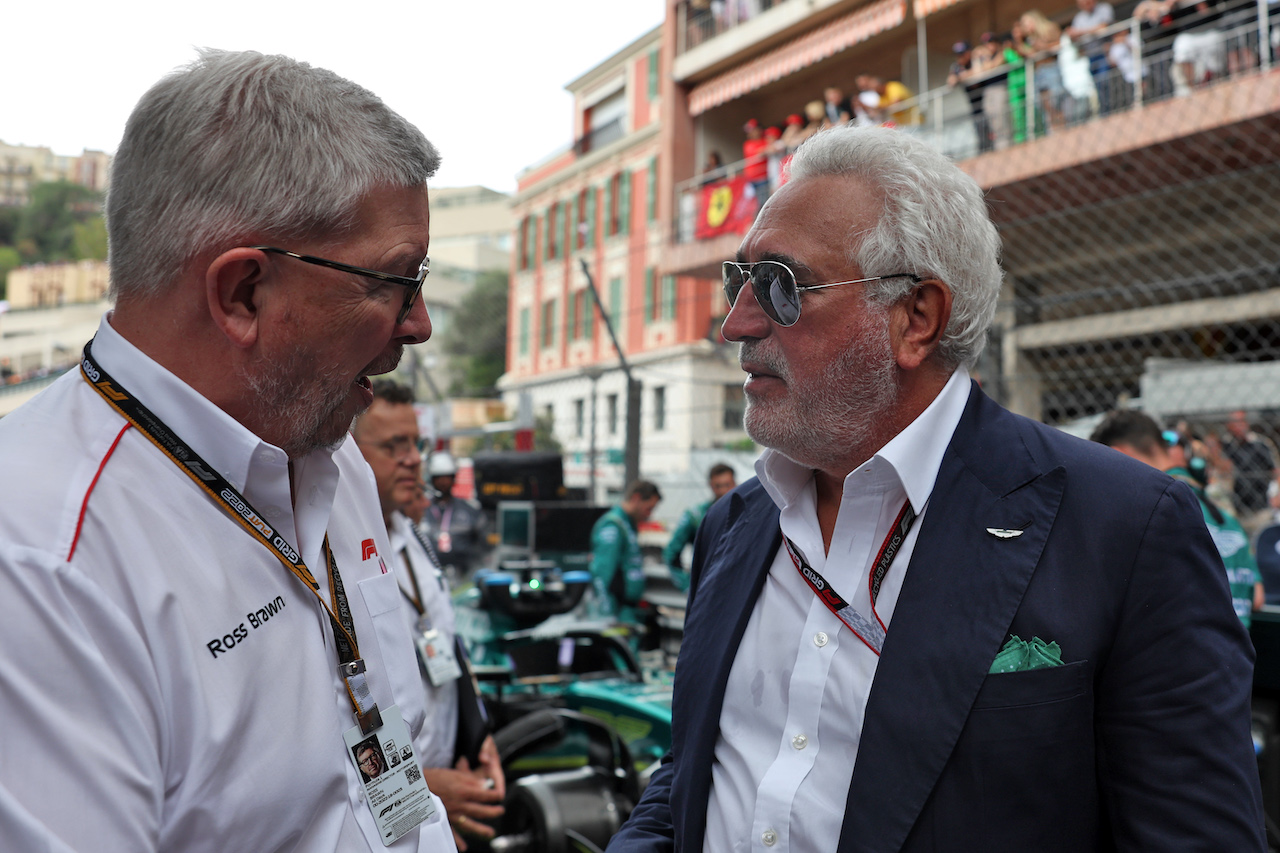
[{"x": 1004, "y": 532}]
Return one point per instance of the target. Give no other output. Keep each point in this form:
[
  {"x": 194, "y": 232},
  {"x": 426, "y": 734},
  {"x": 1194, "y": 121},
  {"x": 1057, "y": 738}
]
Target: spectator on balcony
[
  {"x": 1121, "y": 56},
  {"x": 773, "y": 156},
  {"x": 891, "y": 93},
  {"x": 961, "y": 70},
  {"x": 836, "y": 107},
  {"x": 1017, "y": 83},
  {"x": 1198, "y": 50},
  {"x": 1040, "y": 37},
  {"x": 1085, "y": 30},
  {"x": 755, "y": 153},
  {"x": 987, "y": 56},
  {"x": 794, "y": 133},
  {"x": 713, "y": 169}
]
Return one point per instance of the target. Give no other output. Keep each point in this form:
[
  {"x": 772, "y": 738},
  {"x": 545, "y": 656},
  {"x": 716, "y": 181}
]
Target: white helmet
[{"x": 441, "y": 465}]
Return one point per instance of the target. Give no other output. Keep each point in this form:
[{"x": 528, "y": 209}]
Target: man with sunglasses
[
  {"x": 929, "y": 624},
  {"x": 201, "y": 622}
]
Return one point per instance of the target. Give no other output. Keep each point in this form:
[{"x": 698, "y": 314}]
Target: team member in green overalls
[
  {"x": 1134, "y": 434},
  {"x": 722, "y": 481},
  {"x": 617, "y": 574}
]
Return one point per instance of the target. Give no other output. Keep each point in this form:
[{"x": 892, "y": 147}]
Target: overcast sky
[{"x": 483, "y": 79}]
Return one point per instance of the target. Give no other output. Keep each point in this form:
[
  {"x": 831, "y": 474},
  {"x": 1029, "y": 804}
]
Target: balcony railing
[
  {"x": 703, "y": 20},
  {"x": 991, "y": 112},
  {"x": 598, "y": 137}
]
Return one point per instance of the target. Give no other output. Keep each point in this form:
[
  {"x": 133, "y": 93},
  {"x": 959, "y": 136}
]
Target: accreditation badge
[
  {"x": 395, "y": 791},
  {"x": 436, "y": 656},
  {"x": 444, "y": 542}
]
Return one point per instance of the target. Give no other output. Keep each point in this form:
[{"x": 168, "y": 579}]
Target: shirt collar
[
  {"x": 913, "y": 455},
  {"x": 259, "y": 470}
]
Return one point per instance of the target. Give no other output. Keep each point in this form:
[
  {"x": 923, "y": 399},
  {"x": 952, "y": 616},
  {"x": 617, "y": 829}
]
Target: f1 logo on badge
[{"x": 368, "y": 549}]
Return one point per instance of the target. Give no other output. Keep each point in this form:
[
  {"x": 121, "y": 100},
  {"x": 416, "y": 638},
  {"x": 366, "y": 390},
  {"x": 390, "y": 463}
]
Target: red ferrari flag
[{"x": 725, "y": 207}]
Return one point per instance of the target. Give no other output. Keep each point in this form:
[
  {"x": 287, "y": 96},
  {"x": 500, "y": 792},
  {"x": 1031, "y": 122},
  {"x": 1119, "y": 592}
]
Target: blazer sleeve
[
  {"x": 1175, "y": 763},
  {"x": 650, "y": 828}
]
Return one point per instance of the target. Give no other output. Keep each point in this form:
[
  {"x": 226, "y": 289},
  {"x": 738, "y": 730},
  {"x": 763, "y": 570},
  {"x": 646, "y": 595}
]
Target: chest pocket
[{"x": 381, "y": 597}]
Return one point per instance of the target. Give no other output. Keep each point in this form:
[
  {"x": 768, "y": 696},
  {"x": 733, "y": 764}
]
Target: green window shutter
[
  {"x": 571, "y": 227},
  {"x": 524, "y": 331},
  {"x": 668, "y": 297},
  {"x": 615, "y": 304},
  {"x": 653, "y": 74},
  {"x": 648, "y": 296},
  {"x": 608, "y": 209},
  {"x": 591, "y": 217},
  {"x": 624, "y": 203},
  {"x": 653, "y": 188},
  {"x": 558, "y": 234},
  {"x": 588, "y": 316}
]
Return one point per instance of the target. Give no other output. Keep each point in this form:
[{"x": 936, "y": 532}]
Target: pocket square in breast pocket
[{"x": 1019, "y": 655}]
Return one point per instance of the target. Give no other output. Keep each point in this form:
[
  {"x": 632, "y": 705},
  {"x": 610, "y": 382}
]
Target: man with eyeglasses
[
  {"x": 929, "y": 624},
  {"x": 201, "y": 624},
  {"x": 387, "y": 434}
]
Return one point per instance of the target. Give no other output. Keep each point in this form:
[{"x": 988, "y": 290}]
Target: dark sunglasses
[
  {"x": 776, "y": 289},
  {"x": 414, "y": 285}
]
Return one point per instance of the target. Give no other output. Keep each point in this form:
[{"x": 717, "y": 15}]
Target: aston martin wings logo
[{"x": 1005, "y": 532}]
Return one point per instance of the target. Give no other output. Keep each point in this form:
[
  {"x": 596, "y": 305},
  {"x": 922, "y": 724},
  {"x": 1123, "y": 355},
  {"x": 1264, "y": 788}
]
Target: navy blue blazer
[{"x": 1140, "y": 741}]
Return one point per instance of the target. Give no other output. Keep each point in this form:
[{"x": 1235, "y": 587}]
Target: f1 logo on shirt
[{"x": 368, "y": 550}]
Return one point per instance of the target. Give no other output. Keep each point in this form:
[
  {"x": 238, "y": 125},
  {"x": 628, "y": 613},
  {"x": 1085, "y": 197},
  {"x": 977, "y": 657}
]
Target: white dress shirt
[
  {"x": 440, "y": 731},
  {"x": 797, "y": 691},
  {"x": 169, "y": 685}
]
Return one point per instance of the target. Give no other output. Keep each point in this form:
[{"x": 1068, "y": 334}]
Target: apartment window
[
  {"x": 555, "y": 223},
  {"x": 524, "y": 331},
  {"x": 579, "y": 417},
  {"x": 735, "y": 404},
  {"x": 548, "y": 323},
  {"x": 611, "y": 413},
  {"x": 659, "y": 409},
  {"x": 581, "y": 227}
]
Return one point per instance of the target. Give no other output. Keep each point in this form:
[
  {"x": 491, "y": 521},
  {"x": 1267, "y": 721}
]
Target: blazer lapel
[
  {"x": 731, "y": 581},
  {"x": 961, "y": 592}
]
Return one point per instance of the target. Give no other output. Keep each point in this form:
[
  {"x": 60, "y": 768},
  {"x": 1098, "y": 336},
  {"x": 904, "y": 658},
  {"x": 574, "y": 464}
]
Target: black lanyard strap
[{"x": 351, "y": 666}]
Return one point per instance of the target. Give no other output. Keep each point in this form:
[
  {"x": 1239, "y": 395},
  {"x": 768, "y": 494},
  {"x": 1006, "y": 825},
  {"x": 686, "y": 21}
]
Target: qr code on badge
[{"x": 412, "y": 774}]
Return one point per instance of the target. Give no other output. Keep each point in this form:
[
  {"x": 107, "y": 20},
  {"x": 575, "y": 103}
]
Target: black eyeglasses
[
  {"x": 414, "y": 284},
  {"x": 775, "y": 287}
]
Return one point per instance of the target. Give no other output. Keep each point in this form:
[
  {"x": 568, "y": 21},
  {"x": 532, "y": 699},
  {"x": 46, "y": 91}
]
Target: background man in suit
[{"x": 838, "y": 685}]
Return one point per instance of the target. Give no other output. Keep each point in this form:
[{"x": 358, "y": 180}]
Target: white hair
[
  {"x": 240, "y": 145},
  {"x": 934, "y": 224}
]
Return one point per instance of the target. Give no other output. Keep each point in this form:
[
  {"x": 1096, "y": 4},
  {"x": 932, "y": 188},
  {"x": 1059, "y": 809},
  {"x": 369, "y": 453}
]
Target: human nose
[
  {"x": 746, "y": 319},
  {"x": 416, "y": 326}
]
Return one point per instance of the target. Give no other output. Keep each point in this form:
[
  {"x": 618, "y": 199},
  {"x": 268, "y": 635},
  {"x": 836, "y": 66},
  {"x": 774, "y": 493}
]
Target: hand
[
  {"x": 468, "y": 797},
  {"x": 490, "y": 767}
]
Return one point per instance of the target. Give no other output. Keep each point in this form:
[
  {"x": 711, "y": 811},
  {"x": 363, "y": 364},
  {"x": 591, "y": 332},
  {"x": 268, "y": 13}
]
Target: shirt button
[
  {"x": 799, "y": 741},
  {"x": 820, "y": 639},
  {"x": 769, "y": 837}
]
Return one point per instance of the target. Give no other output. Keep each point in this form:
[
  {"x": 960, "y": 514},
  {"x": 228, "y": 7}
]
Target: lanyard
[
  {"x": 416, "y": 598},
  {"x": 869, "y": 632},
  {"x": 350, "y": 665}
]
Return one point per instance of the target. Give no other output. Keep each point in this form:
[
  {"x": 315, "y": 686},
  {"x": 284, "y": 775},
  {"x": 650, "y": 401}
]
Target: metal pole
[
  {"x": 631, "y": 465},
  {"x": 594, "y": 375},
  {"x": 1264, "y": 37},
  {"x": 922, "y": 57}
]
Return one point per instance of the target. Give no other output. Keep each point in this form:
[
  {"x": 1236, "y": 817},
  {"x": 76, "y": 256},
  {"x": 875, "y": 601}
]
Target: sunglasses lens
[
  {"x": 775, "y": 289},
  {"x": 733, "y": 281}
]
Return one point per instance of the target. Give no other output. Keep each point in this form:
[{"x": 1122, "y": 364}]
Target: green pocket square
[{"x": 1018, "y": 655}]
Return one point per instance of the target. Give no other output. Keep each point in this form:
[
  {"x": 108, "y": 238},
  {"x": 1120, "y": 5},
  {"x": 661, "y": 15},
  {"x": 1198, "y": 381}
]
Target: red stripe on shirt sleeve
[{"x": 85, "y": 506}]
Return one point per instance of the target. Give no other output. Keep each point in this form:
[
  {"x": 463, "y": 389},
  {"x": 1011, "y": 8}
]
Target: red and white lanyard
[{"x": 869, "y": 631}]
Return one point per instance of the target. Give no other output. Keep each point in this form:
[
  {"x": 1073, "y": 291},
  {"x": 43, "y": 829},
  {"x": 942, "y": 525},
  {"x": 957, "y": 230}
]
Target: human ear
[
  {"x": 920, "y": 319},
  {"x": 233, "y": 290}
]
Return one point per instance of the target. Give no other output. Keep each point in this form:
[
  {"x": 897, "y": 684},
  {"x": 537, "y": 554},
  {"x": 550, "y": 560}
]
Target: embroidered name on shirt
[{"x": 240, "y": 633}]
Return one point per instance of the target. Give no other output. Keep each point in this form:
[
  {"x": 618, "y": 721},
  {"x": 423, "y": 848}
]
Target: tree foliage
[
  {"x": 477, "y": 337},
  {"x": 50, "y": 219}
]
